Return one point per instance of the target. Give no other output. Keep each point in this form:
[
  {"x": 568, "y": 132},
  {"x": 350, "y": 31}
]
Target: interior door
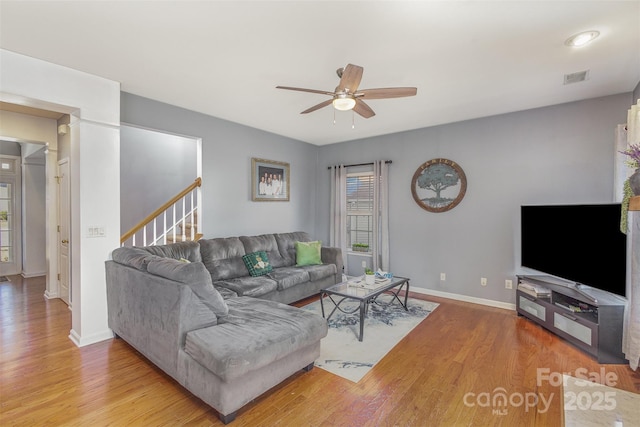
[{"x": 64, "y": 227}]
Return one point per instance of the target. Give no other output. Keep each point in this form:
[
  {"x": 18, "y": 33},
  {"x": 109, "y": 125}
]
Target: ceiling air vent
[{"x": 580, "y": 76}]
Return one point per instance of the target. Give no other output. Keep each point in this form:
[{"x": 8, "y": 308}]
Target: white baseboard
[
  {"x": 88, "y": 340},
  {"x": 30, "y": 275},
  {"x": 50, "y": 295},
  {"x": 465, "y": 298}
]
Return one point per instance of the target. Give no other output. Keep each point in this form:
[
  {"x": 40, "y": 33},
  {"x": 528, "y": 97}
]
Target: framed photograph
[
  {"x": 438, "y": 185},
  {"x": 269, "y": 181}
]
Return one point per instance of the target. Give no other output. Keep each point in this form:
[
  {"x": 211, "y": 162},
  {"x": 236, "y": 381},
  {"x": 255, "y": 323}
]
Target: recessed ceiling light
[{"x": 581, "y": 39}]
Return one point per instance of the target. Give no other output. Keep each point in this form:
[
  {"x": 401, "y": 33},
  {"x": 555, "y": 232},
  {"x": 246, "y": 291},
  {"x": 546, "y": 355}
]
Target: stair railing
[{"x": 170, "y": 221}]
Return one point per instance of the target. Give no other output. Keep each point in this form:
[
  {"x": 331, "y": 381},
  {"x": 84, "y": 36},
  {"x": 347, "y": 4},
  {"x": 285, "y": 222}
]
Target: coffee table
[{"x": 353, "y": 289}]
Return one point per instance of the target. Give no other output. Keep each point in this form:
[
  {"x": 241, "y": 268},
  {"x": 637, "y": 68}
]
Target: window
[
  {"x": 360, "y": 208},
  {"x": 6, "y": 222}
]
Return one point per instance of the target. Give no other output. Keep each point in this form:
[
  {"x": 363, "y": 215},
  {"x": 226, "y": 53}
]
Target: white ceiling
[{"x": 467, "y": 59}]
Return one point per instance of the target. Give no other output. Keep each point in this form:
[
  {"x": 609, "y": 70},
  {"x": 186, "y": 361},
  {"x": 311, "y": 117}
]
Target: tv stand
[
  {"x": 589, "y": 318},
  {"x": 584, "y": 294}
]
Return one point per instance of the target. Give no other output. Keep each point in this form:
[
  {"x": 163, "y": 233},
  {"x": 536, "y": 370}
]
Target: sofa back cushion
[
  {"x": 137, "y": 258},
  {"x": 181, "y": 250},
  {"x": 266, "y": 243},
  {"x": 286, "y": 245},
  {"x": 196, "y": 276},
  {"x": 223, "y": 258}
]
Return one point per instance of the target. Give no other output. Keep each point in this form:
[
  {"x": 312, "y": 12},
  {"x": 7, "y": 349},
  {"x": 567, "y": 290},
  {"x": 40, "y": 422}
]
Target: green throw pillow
[
  {"x": 257, "y": 263},
  {"x": 308, "y": 253}
]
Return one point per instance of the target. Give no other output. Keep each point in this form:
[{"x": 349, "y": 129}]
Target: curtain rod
[{"x": 362, "y": 164}]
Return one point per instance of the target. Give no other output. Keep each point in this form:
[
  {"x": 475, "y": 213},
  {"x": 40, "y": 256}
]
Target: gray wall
[
  {"x": 154, "y": 167},
  {"x": 557, "y": 154},
  {"x": 227, "y": 149}
]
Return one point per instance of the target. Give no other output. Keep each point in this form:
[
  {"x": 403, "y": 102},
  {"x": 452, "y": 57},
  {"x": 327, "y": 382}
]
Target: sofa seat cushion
[
  {"x": 226, "y": 292},
  {"x": 223, "y": 258},
  {"x": 255, "y": 334},
  {"x": 287, "y": 277},
  {"x": 319, "y": 272},
  {"x": 249, "y": 286}
]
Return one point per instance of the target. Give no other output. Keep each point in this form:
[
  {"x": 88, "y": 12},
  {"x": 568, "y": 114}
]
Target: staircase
[
  {"x": 175, "y": 221},
  {"x": 188, "y": 230}
]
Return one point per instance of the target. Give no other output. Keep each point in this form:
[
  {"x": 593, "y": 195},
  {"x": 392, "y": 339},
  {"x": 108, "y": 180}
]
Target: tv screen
[{"x": 578, "y": 243}]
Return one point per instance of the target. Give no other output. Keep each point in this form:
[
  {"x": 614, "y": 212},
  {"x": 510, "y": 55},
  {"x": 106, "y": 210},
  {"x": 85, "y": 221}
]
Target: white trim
[
  {"x": 36, "y": 274},
  {"x": 90, "y": 339},
  {"x": 465, "y": 298},
  {"x": 358, "y": 253},
  {"x": 51, "y": 295}
]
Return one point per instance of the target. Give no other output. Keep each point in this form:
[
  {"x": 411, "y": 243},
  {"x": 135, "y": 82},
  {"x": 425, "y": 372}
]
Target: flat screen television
[{"x": 578, "y": 243}]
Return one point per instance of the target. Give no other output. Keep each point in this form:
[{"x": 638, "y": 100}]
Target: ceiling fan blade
[
  {"x": 386, "y": 92},
  {"x": 322, "y": 92},
  {"x": 350, "y": 80},
  {"x": 318, "y": 106},
  {"x": 363, "y": 109}
]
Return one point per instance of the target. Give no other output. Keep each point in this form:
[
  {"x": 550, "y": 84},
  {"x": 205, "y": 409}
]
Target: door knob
[{"x": 65, "y": 241}]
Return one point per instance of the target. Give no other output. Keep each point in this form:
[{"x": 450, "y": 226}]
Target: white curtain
[
  {"x": 381, "y": 215},
  {"x": 620, "y": 169},
  {"x": 338, "y": 225},
  {"x": 631, "y": 332},
  {"x": 633, "y": 124}
]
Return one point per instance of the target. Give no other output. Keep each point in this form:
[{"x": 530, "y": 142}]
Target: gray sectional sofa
[{"x": 195, "y": 311}]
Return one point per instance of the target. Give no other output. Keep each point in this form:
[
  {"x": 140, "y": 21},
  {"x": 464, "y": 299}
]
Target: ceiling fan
[{"x": 347, "y": 96}]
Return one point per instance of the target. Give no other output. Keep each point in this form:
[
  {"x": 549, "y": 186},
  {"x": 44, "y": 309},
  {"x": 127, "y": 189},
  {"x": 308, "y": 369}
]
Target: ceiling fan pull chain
[
  {"x": 353, "y": 120},
  {"x": 334, "y": 116}
]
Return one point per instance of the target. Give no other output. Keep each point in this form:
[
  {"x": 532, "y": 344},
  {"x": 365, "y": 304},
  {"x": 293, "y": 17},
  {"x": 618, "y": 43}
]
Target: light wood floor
[{"x": 461, "y": 348}]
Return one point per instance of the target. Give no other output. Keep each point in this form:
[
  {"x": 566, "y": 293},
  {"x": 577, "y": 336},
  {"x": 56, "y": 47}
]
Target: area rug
[
  {"x": 591, "y": 404},
  {"x": 342, "y": 354}
]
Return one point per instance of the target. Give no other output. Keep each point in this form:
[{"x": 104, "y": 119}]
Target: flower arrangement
[
  {"x": 631, "y": 185},
  {"x": 633, "y": 152}
]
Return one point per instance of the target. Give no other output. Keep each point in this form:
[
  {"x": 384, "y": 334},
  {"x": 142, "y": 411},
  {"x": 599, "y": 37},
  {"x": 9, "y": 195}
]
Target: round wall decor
[{"x": 438, "y": 185}]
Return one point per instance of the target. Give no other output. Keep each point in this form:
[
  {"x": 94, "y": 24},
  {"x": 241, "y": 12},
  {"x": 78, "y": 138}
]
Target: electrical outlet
[
  {"x": 508, "y": 284},
  {"x": 443, "y": 277},
  {"x": 483, "y": 281},
  {"x": 364, "y": 264}
]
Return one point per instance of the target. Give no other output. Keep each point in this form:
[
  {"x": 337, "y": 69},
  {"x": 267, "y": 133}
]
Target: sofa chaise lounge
[{"x": 194, "y": 310}]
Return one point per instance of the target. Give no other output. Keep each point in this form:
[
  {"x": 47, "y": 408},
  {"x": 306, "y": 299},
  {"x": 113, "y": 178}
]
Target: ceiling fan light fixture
[
  {"x": 582, "y": 39},
  {"x": 344, "y": 103}
]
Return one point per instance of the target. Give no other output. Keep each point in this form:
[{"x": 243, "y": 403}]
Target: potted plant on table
[{"x": 369, "y": 277}]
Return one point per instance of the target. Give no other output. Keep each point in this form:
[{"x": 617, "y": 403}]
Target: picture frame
[
  {"x": 438, "y": 185},
  {"x": 269, "y": 180}
]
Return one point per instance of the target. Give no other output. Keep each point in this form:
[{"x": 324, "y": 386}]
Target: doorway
[{"x": 10, "y": 218}]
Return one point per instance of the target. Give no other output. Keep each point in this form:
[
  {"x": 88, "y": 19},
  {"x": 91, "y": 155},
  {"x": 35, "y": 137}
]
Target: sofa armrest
[
  {"x": 153, "y": 313},
  {"x": 331, "y": 255}
]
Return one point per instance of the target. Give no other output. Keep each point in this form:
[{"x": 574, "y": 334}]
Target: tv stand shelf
[{"x": 589, "y": 318}]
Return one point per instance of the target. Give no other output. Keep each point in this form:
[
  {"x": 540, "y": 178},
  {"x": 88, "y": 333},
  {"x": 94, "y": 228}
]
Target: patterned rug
[
  {"x": 342, "y": 354},
  {"x": 595, "y": 404}
]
